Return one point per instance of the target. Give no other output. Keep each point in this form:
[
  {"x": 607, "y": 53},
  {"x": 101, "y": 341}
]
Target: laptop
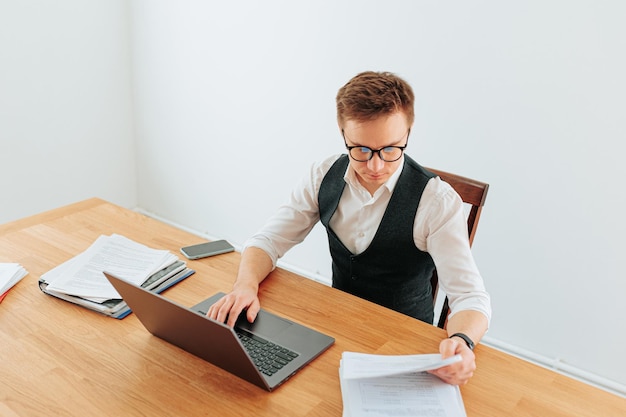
[{"x": 276, "y": 348}]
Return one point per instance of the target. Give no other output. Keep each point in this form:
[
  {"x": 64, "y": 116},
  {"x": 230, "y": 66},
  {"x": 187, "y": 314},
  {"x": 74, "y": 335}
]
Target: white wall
[
  {"x": 235, "y": 100},
  {"x": 66, "y": 127}
]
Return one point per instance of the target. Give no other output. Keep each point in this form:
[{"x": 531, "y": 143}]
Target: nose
[{"x": 376, "y": 163}]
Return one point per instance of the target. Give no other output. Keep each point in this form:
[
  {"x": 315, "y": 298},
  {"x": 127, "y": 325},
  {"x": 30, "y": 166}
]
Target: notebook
[{"x": 291, "y": 345}]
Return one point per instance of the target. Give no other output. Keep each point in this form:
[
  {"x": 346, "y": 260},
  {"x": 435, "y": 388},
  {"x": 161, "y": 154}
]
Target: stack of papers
[
  {"x": 80, "y": 280},
  {"x": 10, "y": 274},
  {"x": 388, "y": 385}
]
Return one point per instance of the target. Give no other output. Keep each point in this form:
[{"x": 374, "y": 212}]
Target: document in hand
[
  {"x": 397, "y": 385},
  {"x": 80, "y": 280},
  {"x": 10, "y": 274}
]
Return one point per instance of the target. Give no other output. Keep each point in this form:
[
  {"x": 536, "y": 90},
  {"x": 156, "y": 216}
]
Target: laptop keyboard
[{"x": 268, "y": 357}]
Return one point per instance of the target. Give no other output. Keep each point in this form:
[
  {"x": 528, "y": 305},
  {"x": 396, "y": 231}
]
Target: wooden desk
[{"x": 60, "y": 359}]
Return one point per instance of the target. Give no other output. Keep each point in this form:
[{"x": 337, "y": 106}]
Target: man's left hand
[{"x": 458, "y": 373}]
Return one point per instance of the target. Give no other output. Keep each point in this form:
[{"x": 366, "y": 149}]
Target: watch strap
[{"x": 468, "y": 341}]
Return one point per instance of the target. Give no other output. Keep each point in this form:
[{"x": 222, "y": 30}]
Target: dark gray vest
[{"x": 391, "y": 272}]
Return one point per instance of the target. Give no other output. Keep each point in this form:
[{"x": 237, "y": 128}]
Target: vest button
[{"x": 354, "y": 278}]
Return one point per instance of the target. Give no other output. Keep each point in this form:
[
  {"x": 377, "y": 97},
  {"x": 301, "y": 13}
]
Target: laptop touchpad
[{"x": 265, "y": 325}]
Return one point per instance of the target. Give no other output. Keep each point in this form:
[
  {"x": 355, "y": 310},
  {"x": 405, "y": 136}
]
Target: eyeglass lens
[{"x": 388, "y": 154}]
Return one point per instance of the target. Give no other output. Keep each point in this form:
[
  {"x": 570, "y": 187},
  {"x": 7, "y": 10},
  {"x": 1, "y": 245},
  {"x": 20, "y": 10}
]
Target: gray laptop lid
[{"x": 217, "y": 343}]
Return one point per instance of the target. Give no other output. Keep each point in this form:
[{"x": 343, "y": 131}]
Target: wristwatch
[{"x": 468, "y": 341}]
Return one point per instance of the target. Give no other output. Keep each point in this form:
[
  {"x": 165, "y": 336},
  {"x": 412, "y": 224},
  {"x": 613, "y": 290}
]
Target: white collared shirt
[{"x": 440, "y": 228}]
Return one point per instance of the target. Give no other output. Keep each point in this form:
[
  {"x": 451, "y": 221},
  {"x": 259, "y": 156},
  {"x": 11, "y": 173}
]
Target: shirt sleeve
[
  {"x": 441, "y": 230},
  {"x": 295, "y": 219}
]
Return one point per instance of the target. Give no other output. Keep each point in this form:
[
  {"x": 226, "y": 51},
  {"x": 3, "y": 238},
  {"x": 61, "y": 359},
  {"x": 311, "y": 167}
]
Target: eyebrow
[{"x": 396, "y": 143}]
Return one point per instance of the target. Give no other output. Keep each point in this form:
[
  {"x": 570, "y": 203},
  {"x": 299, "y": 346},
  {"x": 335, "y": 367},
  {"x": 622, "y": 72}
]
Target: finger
[
  {"x": 444, "y": 376},
  {"x": 253, "y": 310},
  {"x": 453, "y": 378},
  {"x": 233, "y": 315},
  {"x": 215, "y": 308},
  {"x": 447, "y": 348},
  {"x": 223, "y": 309}
]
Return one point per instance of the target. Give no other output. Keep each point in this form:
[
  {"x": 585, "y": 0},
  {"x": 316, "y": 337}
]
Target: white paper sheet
[
  {"x": 10, "y": 274},
  {"x": 82, "y": 275},
  {"x": 364, "y": 365},
  {"x": 398, "y": 393}
]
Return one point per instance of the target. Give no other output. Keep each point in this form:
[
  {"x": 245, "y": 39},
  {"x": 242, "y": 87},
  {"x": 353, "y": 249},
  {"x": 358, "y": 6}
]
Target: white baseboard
[
  {"x": 559, "y": 366},
  {"x": 315, "y": 277}
]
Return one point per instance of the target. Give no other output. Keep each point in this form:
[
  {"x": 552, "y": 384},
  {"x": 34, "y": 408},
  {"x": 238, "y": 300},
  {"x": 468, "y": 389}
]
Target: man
[{"x": 386, "y": 259}]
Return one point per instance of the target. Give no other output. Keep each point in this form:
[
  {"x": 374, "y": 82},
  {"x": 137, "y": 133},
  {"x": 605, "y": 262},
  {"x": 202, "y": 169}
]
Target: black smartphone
[{"x": 202, "y": 250}]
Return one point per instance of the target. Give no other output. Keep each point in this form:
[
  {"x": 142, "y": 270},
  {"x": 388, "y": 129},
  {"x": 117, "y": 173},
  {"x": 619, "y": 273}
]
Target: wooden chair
[{"x": 474, "y": 193}]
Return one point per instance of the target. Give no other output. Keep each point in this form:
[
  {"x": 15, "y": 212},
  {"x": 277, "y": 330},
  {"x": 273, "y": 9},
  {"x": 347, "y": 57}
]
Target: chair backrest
[{"x": 473, "y": 193}]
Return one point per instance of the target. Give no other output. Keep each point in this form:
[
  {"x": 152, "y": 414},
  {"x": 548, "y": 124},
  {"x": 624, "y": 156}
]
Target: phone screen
[{"x": 203, "y": 250}]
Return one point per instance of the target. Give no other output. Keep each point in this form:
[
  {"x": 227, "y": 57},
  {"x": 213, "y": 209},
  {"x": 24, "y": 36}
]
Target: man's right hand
[
  {"x": 255, "y": 265},
  {"x": 228, "y": 308}
]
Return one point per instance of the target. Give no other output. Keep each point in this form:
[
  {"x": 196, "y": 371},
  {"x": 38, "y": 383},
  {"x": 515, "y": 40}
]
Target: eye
[
  {"x": 389, "y": 149},
  {"x": 364, "y": 150}
]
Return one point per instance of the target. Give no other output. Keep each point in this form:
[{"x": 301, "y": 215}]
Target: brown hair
[{"x": 370, "y": 95}]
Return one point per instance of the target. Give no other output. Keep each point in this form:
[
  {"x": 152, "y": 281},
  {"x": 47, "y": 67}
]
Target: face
[{"x": 389, "y": 130}]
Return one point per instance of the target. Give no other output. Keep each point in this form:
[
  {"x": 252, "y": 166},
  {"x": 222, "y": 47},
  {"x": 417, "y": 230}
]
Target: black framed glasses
[{"x": 364, "y": 154}]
